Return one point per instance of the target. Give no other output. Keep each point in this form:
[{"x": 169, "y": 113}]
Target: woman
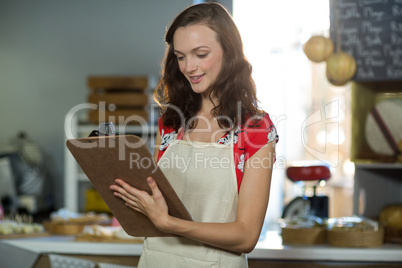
[{"x": 214, "y": 145}]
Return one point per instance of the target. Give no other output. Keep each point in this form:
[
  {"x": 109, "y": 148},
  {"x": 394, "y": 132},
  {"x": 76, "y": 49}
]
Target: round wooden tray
[
  {"x": 342, "y": 238},
  {"x": 64, "y": 228},
  {"x": 303, "y": 236}
]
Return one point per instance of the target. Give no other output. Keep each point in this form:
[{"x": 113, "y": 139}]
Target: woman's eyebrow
[{"x": 194, "y": 49}]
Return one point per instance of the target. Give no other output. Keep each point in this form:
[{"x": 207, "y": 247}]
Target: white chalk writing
[
  {"x": 371, "y": 2},
  {"x": 371, "y": 31},
  {"x": 365, "y": 74},
  {"x": 396, "y": 10},
  {"x": 370, "y": 61},
  {"x": 367, "y": 27},
  {"x": 396, "y": 26},
  {"x": 393, "y": 72},
  {"x": 369, "y": 12}
]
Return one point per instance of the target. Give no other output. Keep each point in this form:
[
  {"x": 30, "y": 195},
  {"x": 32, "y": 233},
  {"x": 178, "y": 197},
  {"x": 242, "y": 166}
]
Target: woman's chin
[{"x": 200, "y": 90}]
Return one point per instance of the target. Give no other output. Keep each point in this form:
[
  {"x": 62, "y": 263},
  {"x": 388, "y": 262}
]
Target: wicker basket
[
  {"x": 365, "y": 239},
  {"x": 303, "y": 236},
  {"x": 63, "y": 228}
]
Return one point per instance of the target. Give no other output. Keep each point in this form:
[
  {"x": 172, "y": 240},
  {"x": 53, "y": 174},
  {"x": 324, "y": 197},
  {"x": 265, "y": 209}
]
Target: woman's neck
[
  {"x": 206, "y": 128},
  {"x": 207, "y": 105}
]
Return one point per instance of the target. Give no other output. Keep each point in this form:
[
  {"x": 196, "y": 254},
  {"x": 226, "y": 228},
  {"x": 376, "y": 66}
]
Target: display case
[
  {"x": 365, "y": 96},
  {"x": 378, "y": 177},
  {"x": 76, "y": 182},
  {"x": 128, "y": 102}
]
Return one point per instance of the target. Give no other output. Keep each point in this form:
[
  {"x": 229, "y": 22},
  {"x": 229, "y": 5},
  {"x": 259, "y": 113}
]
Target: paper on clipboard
[{"x": 105, "y": 158}]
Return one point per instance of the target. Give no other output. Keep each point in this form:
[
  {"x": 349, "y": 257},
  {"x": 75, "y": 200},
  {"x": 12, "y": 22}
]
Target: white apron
[{"x": 203, "y": 176}]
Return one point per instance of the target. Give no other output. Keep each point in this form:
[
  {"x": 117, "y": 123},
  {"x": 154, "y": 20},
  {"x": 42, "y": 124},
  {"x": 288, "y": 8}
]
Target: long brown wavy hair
[{"x": 234, "y": 88}]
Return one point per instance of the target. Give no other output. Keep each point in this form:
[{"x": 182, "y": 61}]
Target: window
[{"x": 311, "y": 115}]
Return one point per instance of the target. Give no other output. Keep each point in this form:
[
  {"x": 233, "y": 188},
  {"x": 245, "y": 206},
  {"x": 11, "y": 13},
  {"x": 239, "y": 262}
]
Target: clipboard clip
[{"x": 105, "y": 129}]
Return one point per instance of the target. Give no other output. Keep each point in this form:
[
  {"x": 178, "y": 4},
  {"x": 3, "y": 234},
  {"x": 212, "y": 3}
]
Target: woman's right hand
[{"x": 153, "y": 206}]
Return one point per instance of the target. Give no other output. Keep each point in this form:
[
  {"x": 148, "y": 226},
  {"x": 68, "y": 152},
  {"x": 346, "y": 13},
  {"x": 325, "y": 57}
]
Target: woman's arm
[{"x": 241, "y": 235}]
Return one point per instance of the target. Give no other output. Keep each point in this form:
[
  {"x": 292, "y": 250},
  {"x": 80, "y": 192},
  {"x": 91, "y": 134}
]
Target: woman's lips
[{"x": 196, "y": 79}]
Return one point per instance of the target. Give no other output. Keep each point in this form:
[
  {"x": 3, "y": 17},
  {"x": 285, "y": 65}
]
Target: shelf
[
  {"x": 375, "y": 186},
  {"x": 75, "y": 178},
  {"x": 379, "y": 165},
  {"x": 82, "y": 177},
  {"x": 77, "y": 125}
]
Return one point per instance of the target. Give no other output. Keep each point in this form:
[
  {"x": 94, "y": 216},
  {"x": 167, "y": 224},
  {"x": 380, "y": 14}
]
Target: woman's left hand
[{"x": 153, "y": 206}]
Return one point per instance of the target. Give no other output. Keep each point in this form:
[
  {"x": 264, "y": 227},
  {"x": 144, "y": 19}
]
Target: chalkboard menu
[{"x": 371, "y": 31}]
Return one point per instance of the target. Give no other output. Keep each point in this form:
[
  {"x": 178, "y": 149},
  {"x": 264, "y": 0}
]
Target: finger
[
  {"x": 121, "y": 192},
  {"x": 132, "y": 202},
  {"x": 128, "y": 188},
  {"x": 135, "y": 208},
  {"x": 154, "y": 187},
  {"x": 125, "y": 188}
]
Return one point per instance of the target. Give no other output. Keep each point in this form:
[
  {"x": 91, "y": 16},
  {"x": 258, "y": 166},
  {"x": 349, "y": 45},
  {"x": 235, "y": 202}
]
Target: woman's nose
[{"x": 191, "y": 65}]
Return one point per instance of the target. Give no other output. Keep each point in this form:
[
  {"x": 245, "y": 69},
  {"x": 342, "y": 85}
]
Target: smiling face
[{"x": 199, "y": 56}]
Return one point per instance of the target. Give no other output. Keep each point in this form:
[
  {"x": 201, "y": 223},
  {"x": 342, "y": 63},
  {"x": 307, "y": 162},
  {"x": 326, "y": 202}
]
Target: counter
[{"x": 26, "y": 252}]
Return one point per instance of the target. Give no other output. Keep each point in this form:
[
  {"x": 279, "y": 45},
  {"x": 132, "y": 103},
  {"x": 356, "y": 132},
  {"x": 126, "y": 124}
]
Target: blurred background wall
[{"x": 49, "y": 47}]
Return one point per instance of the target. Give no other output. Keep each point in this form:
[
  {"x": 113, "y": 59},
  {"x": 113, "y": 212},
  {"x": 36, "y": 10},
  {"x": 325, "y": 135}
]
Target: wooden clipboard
[{"x": 106, "y": 158}]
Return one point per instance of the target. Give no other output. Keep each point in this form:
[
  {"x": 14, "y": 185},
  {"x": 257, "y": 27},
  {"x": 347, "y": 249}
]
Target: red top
[{"x": 247, "y": 141}]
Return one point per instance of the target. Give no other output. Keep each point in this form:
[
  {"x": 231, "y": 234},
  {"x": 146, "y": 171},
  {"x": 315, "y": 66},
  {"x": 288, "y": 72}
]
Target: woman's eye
[
  {"x": 202, "y": 55},
  {"x": 180, "y": 58}
]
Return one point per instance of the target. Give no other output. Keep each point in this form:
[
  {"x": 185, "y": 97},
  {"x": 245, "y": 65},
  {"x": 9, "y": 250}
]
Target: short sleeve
[
  {"x": 249, "y": 139},
  {"x": 256, "y": 136}
]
